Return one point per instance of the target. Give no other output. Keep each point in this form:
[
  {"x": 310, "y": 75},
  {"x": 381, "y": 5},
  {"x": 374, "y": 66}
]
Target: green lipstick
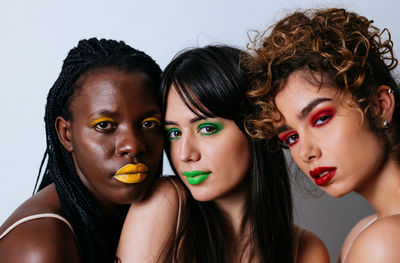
[{"x": 196, "y": 177}]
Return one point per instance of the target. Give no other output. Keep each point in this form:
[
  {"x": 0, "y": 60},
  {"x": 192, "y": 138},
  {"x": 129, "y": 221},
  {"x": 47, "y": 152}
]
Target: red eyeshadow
[
  {"x": 286, "y": 136},
  {"x": 330, "y": 111}
]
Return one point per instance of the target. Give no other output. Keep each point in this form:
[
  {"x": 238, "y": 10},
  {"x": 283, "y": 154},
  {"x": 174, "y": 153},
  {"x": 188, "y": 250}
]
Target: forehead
[
  {"x": 112, "y": 82},
  {"x": 185, "y": 99},
  {"x": 109, "y": 88},
  {"x": 299, "y": 90},
  {"x": 176, "y": 107}
]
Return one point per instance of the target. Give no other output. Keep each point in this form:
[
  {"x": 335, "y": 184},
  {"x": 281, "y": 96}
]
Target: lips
[
  {"x": 323, "y": 175},
  {"x": 196, "y": 177},
  {"x": 132, "y": 173}
]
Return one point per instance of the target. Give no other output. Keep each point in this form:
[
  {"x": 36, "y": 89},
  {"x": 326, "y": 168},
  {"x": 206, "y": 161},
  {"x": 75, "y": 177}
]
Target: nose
[
  {"x": 308, "y": 150},
  {"x": 187, "y": 150},
  {"x": 130, "y": 144}
]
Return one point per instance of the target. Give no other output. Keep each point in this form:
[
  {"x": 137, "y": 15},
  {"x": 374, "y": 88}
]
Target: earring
[
  {"x": 385, "y": 124},
  {"x": 390, "y": 91}
]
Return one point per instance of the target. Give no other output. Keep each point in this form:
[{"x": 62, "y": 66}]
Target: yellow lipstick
[{"x": 132, "y": 173}]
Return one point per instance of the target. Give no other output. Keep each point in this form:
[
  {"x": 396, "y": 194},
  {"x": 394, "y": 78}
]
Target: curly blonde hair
[{"x": 336, "y": 43}]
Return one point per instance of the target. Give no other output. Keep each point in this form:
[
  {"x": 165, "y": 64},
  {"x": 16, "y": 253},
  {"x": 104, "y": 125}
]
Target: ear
[
  {"x": 386, "y": 102},
  {"x": 63, "y": 128}
]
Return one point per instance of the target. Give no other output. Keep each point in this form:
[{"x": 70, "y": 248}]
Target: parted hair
[
  {"x": 341, "y": 47},
  {"x": 78, "y": 205}
]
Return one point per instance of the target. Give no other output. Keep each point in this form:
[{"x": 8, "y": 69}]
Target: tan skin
[
  {"x": 201, "y": 144},
  {"x": 339, "y": 138},
  {"x": 128, "y": 132}
]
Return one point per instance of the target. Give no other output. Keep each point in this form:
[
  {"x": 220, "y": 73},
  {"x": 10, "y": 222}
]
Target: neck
[
  {"x": 107, "y": 209},
  {"x": 383, "y": 190},
  {"x": 233, "y": 206}
]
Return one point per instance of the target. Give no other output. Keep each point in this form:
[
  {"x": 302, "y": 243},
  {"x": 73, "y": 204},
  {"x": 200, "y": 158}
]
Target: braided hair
[{"x": 78, "y": 205}]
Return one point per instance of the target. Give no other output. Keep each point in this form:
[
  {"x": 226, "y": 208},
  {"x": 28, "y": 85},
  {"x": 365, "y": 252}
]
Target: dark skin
[
  {"x": 114, "y": 123},
  {"x": 40, "y": 240}
]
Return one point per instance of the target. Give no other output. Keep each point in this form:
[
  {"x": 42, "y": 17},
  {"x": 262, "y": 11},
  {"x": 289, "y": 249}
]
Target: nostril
[{"x": 131, "y": 147}]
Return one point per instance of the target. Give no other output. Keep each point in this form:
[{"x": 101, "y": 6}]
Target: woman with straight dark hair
[
  {"x": 104, "y": 148},
  {"x": 239, "y": 208}
]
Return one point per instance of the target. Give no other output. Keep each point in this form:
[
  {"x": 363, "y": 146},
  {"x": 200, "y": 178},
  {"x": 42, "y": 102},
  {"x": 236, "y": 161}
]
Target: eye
[
  {"x": 322, "y": 117},
  {"x": 104, "y": 124},
  {"x": 150, "y": 123},
  {"x": 209, "y": 128},
  {"x": 321, "y": 120},
  {"x": 289, "y": 139},
  {"x": 173, "y": 133}
]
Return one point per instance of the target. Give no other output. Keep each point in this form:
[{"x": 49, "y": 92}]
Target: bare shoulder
[
  {"x": 43, "y": 239},
  {"x": 310, "y": 247},
  {"x": 166, "y": 191},
  {"x": 152, "y": 222},
  {"x": 40, "y": 240},
  {"x": 353, "y": 234},
  {"x": 165, "y": 198},
  {"x": 377, "y": 243}
]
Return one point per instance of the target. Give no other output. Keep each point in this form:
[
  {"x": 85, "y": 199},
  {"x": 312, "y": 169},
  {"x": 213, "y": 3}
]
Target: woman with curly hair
[{"x": 323, "y": 84}]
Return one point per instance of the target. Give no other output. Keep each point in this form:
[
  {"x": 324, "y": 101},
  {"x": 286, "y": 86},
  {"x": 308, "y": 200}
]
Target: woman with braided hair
[
  {"x": 323, "y": 85},
  {"x": 104, "y": 148}
]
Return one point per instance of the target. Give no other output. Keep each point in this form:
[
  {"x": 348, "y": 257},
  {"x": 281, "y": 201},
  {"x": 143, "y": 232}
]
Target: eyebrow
[
  {"x": 307, "y": 109},
  {"x": 102, "y": 112},
  {"x": 115, "y": 114},
  {"x": 193, "y": 120},
  {"x": 283, "y": 128}
]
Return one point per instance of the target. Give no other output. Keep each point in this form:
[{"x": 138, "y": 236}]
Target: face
[
  {"x": 327, "y": 139},
  {"x": 211, "y": 155},
  {"x": 114, "y": 135}
]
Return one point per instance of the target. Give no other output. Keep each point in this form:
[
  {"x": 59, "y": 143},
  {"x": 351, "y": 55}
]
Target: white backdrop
[{"x": 36, "y": 36}]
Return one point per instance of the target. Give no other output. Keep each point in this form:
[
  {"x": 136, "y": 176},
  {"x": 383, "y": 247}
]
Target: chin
[
  {"x": 336, "y": 192},
  {"x": 202, "y": 197},
  {"x": 133, "y": 194}
]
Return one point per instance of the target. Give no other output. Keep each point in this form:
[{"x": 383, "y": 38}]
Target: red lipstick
[{"x": 322, "y": 175}]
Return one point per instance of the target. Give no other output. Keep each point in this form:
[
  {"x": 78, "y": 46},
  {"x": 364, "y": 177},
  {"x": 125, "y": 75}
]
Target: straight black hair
[
  {"x": 78, "y": 204},
  {"x": 210, "y": 83}
]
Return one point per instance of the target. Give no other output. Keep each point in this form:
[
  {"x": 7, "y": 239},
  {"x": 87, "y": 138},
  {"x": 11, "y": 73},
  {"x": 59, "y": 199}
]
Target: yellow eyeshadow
[
  {"x": 157, "y": 120},
  {"x": 103, "y": 119}
]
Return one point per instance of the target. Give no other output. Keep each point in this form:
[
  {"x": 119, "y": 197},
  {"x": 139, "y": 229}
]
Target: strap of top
[
  {"x": 362, "y": 229},
  {"x": 352, "y": 242},
  {"x": 179, "y": 203},
  {"x": 296, "y": 242},
  {"x": 33, "y": 217}
]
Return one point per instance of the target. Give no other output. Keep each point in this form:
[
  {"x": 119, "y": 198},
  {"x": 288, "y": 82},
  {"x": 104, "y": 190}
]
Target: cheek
[
  {"x": 346, "y": 141},
  {"x": 93, "y": 151},
  {"x": 174, "y": 154},
  {"x": 155, "y": 145},
  {"x": 234, "y": 155},
  {"x": 153, "y": 139}
]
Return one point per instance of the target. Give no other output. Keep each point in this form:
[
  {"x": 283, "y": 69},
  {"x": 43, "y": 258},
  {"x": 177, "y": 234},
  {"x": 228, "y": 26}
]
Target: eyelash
[
  {"x": 324, "y": 116},
  {"x": 203, "y": 128},
  {"x": 97, "y": 124},
  {"x": 173, "y": 132},
  {"x": 154, "y": 123},
  {"x": 106, "y": 124},
  {"x": 286, "y": 137}
]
